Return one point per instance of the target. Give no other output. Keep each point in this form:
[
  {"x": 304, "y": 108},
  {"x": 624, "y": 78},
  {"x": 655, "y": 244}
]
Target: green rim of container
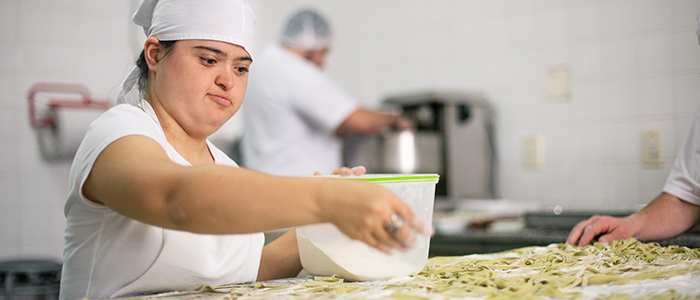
[{"x": 387, "y": 178}]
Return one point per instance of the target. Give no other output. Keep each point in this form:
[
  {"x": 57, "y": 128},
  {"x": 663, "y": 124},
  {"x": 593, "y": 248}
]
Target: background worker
[
  {"x": 294, "y": 114},
  {"x": 673, "y": 212}
]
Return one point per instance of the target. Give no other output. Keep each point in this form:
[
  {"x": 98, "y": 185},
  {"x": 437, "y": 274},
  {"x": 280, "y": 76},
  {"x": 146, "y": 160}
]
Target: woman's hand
[
  {"x": 376, "y": 216},
  {"x": 363, "y": 210},
  {"x": 345, "y": 171}
]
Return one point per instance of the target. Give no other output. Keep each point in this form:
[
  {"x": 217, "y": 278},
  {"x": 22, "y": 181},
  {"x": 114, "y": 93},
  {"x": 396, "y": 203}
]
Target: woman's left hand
[{"x": 345, "y": 171}]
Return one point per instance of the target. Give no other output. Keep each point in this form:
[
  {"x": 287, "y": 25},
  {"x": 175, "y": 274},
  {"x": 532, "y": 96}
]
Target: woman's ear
[{"x": 151, "y": 50}]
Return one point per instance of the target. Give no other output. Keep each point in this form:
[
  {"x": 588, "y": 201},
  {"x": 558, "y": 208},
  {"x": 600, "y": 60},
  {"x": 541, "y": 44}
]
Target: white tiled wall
[
  {"x": 48, "y": 40},
  {"x": 634, "y": 66}
]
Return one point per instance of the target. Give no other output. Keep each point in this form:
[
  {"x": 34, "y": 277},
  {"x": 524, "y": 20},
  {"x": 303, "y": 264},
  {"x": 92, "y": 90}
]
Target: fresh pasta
[{"x": 555, "y": 271}]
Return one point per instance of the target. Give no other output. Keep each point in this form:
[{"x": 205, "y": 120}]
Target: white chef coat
[
  {"x": 291, "y": 112},
  {"x": 109, "y": 255},
  {"x": 684, "y": 180}
]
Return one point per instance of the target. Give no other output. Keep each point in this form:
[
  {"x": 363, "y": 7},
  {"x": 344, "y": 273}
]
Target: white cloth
[
  {"x": 684, "y": 180},
  {"x": 291, "y": 112},
  {"x": 109, "y": 255},
  {"x": 230, "y": 21}
]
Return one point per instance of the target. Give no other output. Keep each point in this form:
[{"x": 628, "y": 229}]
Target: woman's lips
[{"x": 223, "y": 100}]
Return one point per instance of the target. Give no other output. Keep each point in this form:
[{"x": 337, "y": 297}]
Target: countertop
[
  {"x": 473, "y": 241},
  {"x": 678, "y": 286},
  {"x": 617, "y": 270},
  {"x": 469, "y": 243},
  {"x": 504, "y": 225}
]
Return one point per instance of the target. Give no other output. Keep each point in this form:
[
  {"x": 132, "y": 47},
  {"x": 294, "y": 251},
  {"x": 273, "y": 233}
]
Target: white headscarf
[{"x": 230, "y": 21}]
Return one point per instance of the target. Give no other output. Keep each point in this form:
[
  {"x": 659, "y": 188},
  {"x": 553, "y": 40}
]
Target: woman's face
[{"x": 199, "y": 83}]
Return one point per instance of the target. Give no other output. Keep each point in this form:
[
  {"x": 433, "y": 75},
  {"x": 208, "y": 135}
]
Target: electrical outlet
[
  {"x": 533, "y": 151},
  {"x": 558, "y": 85},
  {"x": 652, "y": 149}
]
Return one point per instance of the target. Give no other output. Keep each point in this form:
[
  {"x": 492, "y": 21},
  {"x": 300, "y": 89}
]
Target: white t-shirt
[
  {"x": 684, "y": 180},
  {"x": 109, "y": 255},
  {"x": 291, "y": 112}
]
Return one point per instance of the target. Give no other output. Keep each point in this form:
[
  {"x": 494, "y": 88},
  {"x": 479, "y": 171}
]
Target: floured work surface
[{"x": 625, "y": 269}]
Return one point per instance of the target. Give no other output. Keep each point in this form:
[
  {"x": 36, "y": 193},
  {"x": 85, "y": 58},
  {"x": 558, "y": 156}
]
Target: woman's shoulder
[
  {"x": 120, "y": 121},
  {"x": 125, "y": 111},
  {"x": 123, "y": 117}
]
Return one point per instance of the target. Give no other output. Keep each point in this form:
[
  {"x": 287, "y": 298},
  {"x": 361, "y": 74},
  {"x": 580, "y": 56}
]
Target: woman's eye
[
  {"x": 208, "y": 61},
  {"x": 242, "y": 69}
]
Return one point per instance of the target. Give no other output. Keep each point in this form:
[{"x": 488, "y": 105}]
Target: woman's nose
[{"x": 225, "y": 79}]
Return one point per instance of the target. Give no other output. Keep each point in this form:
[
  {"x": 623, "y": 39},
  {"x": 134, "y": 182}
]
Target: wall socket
[
  {"x": 652, "y": 149},
  {"x": 533, "y": 151},
  {"x": 558, "y": 84}
]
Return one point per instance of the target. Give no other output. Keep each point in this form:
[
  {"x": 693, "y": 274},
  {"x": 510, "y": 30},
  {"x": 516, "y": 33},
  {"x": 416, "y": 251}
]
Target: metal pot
[{"x": 396, "y": 152}]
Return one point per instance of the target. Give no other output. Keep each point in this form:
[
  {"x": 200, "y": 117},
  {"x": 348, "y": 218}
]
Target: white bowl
[{"x": 324, "y": 250}]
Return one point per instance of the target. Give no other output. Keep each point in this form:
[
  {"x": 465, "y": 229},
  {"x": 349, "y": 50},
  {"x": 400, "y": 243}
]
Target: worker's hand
[
  {"x": 345, "y": 171},
  {"x": 607, "y": 228},
  {"x": 403, "y": 123},
  {"x": 363, "y": 211}
]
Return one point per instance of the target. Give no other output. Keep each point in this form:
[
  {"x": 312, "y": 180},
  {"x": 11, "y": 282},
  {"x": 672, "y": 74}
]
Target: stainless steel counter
[
  {"x": 473, "y": 241},
  {"x": 530, "y": 225}
]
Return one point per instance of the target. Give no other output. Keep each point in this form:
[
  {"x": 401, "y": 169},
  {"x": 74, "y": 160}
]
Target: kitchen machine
[{"x": 453, "y": 137}]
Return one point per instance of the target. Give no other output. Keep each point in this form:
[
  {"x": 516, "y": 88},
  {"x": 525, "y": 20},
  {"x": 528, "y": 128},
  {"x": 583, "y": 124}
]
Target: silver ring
[{"x": 396, "y": 223}]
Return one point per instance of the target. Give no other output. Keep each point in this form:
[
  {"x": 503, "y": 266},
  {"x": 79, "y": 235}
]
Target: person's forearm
[
  {"x": 280, "y": 259},
  {"x": 134, "y": 177},
  {"x": 665, "y": 217},
  {"x": 364, "y": 121},
  {"x": 215, "y": 199}
]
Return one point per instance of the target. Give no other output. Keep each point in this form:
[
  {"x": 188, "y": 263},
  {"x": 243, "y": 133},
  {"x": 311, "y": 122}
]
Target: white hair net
[
  {"x": 230, "y": 21},
  {"x": 306, "y": 30}
]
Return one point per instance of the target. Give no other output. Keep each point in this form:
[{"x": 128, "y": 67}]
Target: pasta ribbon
[{"x": 555, "y": 271}]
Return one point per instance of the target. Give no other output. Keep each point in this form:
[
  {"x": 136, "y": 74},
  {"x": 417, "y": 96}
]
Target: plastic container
[{"x": 324, "y": 250}]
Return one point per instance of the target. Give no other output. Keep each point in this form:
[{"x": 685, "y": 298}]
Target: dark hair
[{"x": 143, "y": 66}]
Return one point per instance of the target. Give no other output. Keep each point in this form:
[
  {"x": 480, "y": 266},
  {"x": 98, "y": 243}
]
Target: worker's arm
[
  {"x": 365, "y": 121},
  {"x": 280, "y": 259},
  {"x": 135, "y": 178},
  {"x": 665, "y": 217}
]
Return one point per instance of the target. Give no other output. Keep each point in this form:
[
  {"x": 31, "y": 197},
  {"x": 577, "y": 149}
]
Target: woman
[{"x": 154, "y": 206}]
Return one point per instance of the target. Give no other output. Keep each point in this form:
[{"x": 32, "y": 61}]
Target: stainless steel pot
[
  {"x": 396, "y": 152},
  {"x": 454, "y": 137}
]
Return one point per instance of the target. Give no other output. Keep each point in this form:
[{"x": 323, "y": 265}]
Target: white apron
[
  {"x": 181, "y": 264},
  {"x": 189, "y": 260}
]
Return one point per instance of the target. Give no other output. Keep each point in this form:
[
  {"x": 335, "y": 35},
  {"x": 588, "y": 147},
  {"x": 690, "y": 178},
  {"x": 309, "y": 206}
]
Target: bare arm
[
  {"x": 280, "y": 259},
  {"x": 365, "y": 121},
  {"x": 134, "y": 177},
  {"x": 665, "y": 217}
]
